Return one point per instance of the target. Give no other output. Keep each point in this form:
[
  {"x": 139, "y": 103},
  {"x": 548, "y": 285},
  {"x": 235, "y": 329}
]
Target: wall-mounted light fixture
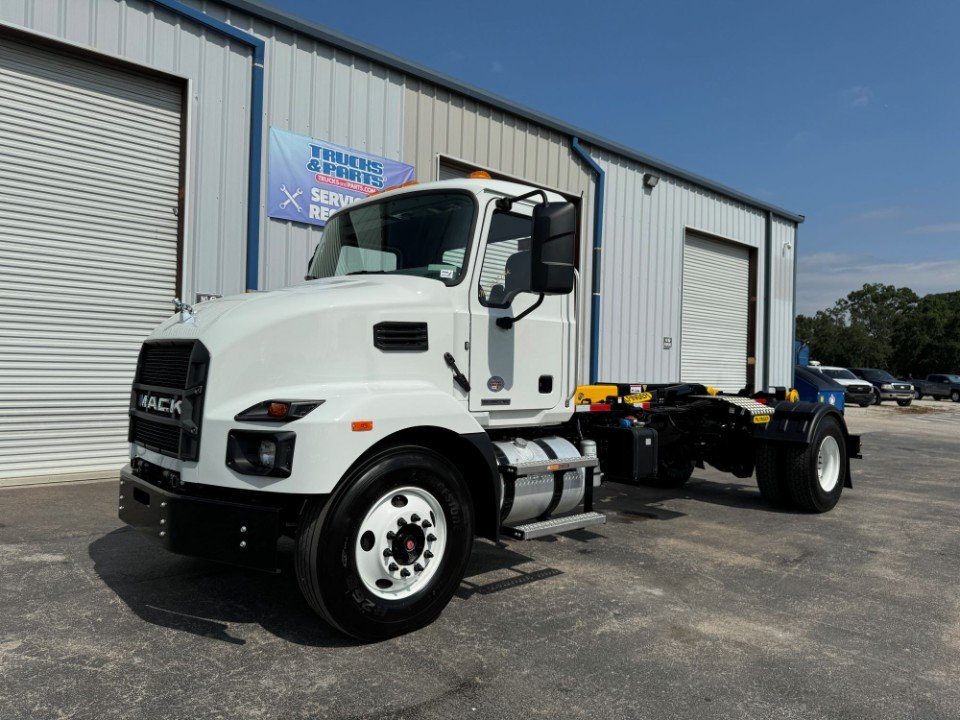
[{"x": 650, "y": 180}]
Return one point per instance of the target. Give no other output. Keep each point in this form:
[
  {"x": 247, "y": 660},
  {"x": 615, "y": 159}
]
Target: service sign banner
[{"x": 311, "y": 179}]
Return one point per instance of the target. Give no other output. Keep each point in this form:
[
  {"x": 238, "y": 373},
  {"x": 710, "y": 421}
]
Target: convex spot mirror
[{"x": 553, "y": 248}]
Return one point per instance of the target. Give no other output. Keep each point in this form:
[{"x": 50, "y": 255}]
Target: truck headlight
[
  {"x": 270, "y": 454},
  {"x": 886, "y": 386}
]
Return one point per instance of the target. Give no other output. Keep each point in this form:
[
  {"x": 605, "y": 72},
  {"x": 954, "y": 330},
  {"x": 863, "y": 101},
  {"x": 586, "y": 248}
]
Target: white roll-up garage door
[
  {"x": 89, "y": 179},
  {"x": 715, "y": 315}
]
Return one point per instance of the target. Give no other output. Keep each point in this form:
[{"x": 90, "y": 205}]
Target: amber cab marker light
[
  {"x": 480, "y": 175},
  {"x": 361, "y": 425},
  {"x": 278, "y": 409}
]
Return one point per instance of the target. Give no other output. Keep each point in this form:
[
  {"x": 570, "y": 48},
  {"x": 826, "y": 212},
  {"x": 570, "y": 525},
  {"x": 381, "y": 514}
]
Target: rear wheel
[
  {"x": 770, "y": 477},
  {"x": 904, "y": 403},
  {"x": 815, "y": 474},
  {"x": 385, "y": 554},
  {"x": 955, "y": 396}
]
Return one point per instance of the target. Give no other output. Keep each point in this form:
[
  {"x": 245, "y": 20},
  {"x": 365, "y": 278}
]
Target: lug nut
[
  {"x": 426, "y": 524},
  {"x": 162, "y": 533},
  {"x": 121, "y": 497},
  {"x": 387, "y": 552},
  {"x": 393, "y": 567},
  {"x": 431, "y": 538},
  {"x": 418, "y": 567},
  {"x": 404, "y": 573},
  {"x": 414, "y": 518},
  {"x": 243, "y": 544},
  {"x": 391, "y": 535},
  {"x": 162, "y": 521},
  {"x": 243, "y": 528},
  {"x": 121, "y": 507},
  {"x": 401, "y": 522},
  {"x": 427, "y": 554},
  {"x": 163, "y": 504}
]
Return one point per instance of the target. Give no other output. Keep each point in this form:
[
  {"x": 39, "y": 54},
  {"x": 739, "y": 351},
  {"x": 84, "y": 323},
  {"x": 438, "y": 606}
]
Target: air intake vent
[{"x": 400, "y": 336}]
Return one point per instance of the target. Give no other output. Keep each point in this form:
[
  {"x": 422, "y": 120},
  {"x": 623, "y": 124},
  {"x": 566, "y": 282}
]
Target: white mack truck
[{"x": 421, "y": 388}]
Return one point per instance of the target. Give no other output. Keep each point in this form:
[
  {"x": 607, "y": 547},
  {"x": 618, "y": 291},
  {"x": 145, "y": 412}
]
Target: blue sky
[{"x": 846, "y": 112}]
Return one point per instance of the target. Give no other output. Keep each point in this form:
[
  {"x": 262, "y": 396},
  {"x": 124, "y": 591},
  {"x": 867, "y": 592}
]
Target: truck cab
[{"x": 423, "y": 386}]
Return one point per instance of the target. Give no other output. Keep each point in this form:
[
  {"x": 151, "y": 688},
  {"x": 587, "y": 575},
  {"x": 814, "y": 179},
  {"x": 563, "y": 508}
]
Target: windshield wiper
[{"x": 368, "y": 272}]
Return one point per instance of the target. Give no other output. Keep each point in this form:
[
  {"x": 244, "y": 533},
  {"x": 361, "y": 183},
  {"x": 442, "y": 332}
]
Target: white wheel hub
[
  {"x": 828, "y": 463},
  {"x": 400, "y": 544}
]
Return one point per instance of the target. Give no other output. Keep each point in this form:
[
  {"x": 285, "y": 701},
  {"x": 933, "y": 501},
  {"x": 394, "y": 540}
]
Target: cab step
[{"x": 529, "y": 531}]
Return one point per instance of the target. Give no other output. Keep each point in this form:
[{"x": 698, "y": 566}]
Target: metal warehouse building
[{"x": 133, "y": 155}]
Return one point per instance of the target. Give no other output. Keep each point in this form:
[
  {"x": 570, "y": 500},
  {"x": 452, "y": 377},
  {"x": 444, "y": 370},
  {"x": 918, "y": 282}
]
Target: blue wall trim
[
  {"x": 597, "y": 247},
  {"x": 256, "y": 125}
]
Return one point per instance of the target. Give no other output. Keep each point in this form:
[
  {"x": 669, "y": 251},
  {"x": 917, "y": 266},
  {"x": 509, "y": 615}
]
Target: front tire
[
  {"x": 876, "y": 397},
  {"x": 904, "y": 403},
  {"x": 384, "y": 555},
  {"x": 815, "y": 474},
  {"x": 955, "y": 396},
  {"x": 917, "y": 395}
]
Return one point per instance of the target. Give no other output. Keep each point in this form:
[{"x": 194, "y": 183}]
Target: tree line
[{"x": 887, "y": 327}]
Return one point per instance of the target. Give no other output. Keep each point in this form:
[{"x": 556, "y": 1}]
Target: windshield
[
  {"x": 838, "y": 373},
  {"x": 878, "y": 375},
  {"x": 423, "y": 234},
  {"x": 953, "y": 378}
]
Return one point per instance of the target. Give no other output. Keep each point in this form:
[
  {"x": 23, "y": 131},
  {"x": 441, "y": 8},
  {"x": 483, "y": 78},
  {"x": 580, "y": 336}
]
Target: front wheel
[
  {"x": 917, "y": 395},
  {"x": 904, "y": 403},
  {"x": 815, "y": 474},
  {"x": 385, "y": 554},
  {"x": 955, "y": 396},
  {"x": 876, "y": 397}
]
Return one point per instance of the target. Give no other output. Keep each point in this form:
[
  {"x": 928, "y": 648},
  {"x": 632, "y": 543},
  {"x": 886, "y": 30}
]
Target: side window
[{"x": 506, "y": 261}]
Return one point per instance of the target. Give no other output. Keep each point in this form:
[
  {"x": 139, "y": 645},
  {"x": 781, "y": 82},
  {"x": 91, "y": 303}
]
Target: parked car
[
  {"x": 856, "y": 389},
  {"x": 886, "y": 386},
  {"x": 938, "y": 386}
]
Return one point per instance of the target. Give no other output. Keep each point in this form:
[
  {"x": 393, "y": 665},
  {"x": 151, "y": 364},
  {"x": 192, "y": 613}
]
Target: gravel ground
[{"x": 700, "y": 603}]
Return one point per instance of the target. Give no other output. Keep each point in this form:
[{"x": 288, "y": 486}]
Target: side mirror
[{"x": 553, "y": 247}]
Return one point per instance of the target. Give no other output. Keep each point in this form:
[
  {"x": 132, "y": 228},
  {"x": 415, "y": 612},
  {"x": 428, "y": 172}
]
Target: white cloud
[
  {"x": 858, "y": 96},
  {"x": 878, "y": 214},
  {"x": 823, "y": 278},
  {"x": 947, "y": 228}
]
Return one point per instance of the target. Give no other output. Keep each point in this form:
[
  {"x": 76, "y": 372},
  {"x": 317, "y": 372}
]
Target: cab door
[{"x": 516, "y": 368}]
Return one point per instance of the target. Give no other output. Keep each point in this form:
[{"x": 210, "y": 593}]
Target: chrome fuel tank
[{"x": 531, "y": 496}]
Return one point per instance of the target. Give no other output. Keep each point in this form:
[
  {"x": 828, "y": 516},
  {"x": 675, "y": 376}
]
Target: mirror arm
[
  {"x": 506, "y": 323},
  {"x": 506, "y": 204}
]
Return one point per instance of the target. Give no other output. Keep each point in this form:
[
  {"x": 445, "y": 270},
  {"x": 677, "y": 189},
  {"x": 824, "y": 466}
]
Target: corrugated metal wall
[
  {"x": 780, "y": 297},
  {"x": 219, "y": 75},
  {"x": 316, "y": 90},
  {"x": 644, "y": 230}
]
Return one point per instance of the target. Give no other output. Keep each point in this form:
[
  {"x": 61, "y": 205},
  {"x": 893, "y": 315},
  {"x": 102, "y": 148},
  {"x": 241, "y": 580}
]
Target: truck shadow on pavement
[
  {"x": 209, "y": 599},
  {"x": 642, "y": 502}
]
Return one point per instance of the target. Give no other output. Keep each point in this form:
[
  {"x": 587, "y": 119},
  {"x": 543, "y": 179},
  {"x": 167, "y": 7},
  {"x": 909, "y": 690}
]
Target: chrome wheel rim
[
  {"x": 828, "y": 463},
  {"x": 400, "y": 543}
]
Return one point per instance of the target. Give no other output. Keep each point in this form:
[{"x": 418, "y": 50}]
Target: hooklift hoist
[{"x": 406, "y": 400}]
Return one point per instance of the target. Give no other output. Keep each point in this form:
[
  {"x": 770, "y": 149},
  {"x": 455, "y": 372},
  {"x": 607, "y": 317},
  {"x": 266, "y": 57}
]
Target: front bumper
[
  {"x": 896, "y": 394},
  {"x": 227, "y": 532}
]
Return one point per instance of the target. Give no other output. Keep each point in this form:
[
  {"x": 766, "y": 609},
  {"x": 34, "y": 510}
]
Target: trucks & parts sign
[{"x": 311, "y": 179}]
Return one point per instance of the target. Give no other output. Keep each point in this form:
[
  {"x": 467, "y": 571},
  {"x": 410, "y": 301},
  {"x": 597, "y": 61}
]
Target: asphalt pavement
[{"x": 699, "y": 603}]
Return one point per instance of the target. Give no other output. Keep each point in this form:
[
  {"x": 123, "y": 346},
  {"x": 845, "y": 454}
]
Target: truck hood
[
  {"x": 315, "y": 339},
  {"x": 237, "y": 313}
]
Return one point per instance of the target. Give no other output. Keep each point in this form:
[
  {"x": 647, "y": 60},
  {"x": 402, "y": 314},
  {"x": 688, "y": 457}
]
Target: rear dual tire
[
  {"x": 810, "y": 477},
  {"x": 367, "y": 573}
]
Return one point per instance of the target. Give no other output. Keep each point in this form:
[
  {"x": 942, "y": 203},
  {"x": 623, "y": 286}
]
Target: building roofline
[{"x": 331, "y": 37}]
